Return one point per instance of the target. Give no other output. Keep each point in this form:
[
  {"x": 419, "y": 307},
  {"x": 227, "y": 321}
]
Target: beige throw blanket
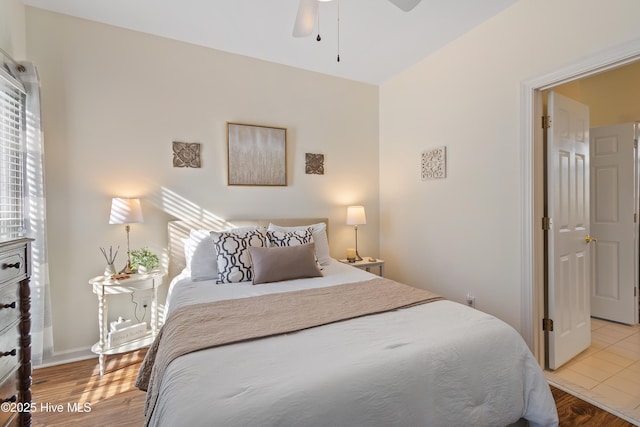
[{"x": 200, "y": 326}]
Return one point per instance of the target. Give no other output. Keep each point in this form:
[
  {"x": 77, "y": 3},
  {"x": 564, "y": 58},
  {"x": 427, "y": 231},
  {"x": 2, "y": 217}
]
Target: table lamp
[
  {"x": 356, "y": 217},
  {"x": 125, "y": 211}
]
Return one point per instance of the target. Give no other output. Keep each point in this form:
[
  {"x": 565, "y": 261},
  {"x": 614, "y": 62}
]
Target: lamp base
[
  {"x": 127, "y": 269},
  {"x": 358, "y": 257}
]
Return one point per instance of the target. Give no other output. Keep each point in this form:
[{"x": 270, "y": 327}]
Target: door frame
[{"x": 532, "y": 176}]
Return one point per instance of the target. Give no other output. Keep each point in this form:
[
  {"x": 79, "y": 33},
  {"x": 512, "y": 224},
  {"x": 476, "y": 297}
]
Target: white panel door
[
  {"x": 568, "y": 299},
  {"x": 613, "y": 205}
]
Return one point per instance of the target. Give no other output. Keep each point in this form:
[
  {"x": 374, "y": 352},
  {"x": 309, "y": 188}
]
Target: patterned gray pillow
[
  {"x": 290, "y": 238},
  {"x": 234, "y": 262}
]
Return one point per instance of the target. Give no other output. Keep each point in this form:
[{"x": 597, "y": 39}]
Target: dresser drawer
[
  {"x": 9, "y": 393},
  {"x": 9, "y": 306},
  {"x": 15, "y": 322},
  {"x": 13, "y": 265},
  {"x": 9, "y": 350}
]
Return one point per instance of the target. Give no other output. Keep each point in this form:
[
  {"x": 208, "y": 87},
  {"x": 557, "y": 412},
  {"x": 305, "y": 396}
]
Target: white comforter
[{"x": 439, "y": 364}]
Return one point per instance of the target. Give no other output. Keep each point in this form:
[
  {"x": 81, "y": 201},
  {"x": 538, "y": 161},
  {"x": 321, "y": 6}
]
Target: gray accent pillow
[
  {"x": 276, "y": 264},
  {"x": 234, "y": 262}
]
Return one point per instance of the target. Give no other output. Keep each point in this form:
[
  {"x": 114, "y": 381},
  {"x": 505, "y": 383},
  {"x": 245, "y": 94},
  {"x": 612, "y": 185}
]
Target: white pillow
[
  {"x": 200, "y": 255},
  {"x": 319, "y": 232}
]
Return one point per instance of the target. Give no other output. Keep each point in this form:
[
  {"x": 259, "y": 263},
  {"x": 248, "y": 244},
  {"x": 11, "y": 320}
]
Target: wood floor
[{"x": 112, "y": 400}]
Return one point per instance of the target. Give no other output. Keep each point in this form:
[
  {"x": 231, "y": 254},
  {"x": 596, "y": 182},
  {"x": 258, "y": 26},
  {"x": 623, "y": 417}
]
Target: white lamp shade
[
  {"x": 356, "y": 215},
  {"x": 125, "y": 211}
]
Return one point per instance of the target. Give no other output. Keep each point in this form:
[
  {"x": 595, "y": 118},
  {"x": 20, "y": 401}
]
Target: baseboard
[{"x": 66, "y": 357}]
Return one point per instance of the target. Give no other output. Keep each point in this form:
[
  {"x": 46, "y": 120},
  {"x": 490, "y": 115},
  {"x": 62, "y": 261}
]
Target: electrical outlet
[{"x": 471, "y": 301}]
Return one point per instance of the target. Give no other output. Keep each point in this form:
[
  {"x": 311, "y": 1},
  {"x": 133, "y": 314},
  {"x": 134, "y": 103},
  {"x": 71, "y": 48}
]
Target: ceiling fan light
[
  {"x": 405, "y": 5},
  {"x": 305, "y": 18}
]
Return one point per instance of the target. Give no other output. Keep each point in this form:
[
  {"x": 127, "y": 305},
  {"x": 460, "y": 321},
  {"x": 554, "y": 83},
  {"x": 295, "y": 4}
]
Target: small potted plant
[{"x": 143, "y": 260}]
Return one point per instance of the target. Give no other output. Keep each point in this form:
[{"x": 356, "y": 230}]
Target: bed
[{"x": 431, "y": 362}]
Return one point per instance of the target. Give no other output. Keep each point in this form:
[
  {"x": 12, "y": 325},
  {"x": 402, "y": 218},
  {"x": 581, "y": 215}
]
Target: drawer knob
[
  {"x": 15, "y": 265},
  {"x": 9, "y": 353},
  {"x": 12, "y": 305},
  {"x": 10, "y": 399}
]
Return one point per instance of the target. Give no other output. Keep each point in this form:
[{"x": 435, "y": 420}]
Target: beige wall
[
  {"x": 12, "y": 28},
  {"x": 113, "y": 102},
  {"x": 463, "y": 233},
  {"x": 613, "y": 97}
]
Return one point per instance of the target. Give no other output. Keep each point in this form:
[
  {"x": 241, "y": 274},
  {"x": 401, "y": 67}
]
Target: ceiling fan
[{"x": 308, "y": 10}]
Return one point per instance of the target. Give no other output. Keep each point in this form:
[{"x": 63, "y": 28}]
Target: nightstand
[
  {"x": 367, "y": 265},
  {"x": 104, "y": 286}
]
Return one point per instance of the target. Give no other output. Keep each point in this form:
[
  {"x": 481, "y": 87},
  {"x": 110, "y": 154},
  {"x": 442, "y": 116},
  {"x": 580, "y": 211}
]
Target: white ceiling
[{"x": 377, "y": 40}]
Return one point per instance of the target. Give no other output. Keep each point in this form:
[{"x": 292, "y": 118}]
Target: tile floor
[{"x": 606, "y": 374}]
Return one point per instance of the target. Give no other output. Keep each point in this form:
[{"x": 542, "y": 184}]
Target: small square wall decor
[
  {"x": 314, "y": 164},
  {"x": 434, "y": 164},
  {"x": 186, "y": 154}
]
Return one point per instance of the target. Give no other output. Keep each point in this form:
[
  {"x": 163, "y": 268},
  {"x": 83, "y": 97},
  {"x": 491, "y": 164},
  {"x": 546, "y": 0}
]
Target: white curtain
[{"x": 35, "y": 220}]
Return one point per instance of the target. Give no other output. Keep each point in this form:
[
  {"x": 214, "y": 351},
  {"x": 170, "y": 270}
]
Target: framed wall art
[
  {"x": 257, "y": 155},
  {"x": 434, "y": 163}
]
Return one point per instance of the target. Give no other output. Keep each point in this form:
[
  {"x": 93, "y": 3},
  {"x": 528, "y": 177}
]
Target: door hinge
[
  {"x": 635, "y": 217},
  {"x": 546, "y": 223},
  {"x": 546, "y": 122},
  {"x": 547, "y": 325},
  {"x": 635, "y": 144}
]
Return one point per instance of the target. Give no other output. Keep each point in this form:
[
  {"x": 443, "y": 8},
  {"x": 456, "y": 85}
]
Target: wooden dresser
[{"x": 15, "y": 332}]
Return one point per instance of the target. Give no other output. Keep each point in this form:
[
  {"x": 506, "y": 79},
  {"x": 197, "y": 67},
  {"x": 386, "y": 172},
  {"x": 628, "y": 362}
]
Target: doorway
[
  {"x": 532, "y": 180},
  {"x": 612, "y": 217},
  {"x": 611, "y": 98},
  {"x": 532, "y": 195}
]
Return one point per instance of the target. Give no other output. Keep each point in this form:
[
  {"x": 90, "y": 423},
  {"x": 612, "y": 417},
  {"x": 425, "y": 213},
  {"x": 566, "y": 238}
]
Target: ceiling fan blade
[
  {"x": 405, "y": 5},
  {"x": 306, "y": 18}
]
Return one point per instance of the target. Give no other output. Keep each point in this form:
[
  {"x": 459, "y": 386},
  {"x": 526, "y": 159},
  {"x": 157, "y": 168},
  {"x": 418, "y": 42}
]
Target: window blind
[{"x": 12, "y": 168}]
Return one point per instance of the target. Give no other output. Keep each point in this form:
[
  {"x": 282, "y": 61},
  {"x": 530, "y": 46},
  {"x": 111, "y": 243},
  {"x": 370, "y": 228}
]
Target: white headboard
[{"x": 178, "y": 230}]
